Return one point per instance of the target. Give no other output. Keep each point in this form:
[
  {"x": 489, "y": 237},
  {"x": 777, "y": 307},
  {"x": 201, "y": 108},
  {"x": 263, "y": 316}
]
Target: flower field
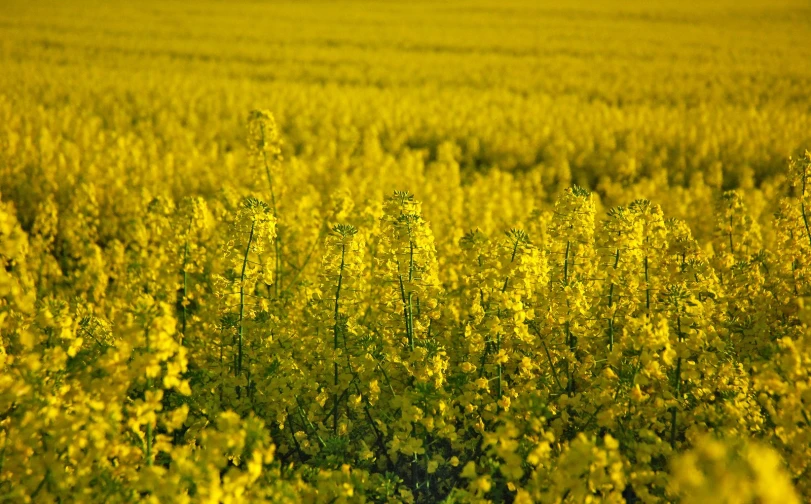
[{"x": 405, "y": 251}]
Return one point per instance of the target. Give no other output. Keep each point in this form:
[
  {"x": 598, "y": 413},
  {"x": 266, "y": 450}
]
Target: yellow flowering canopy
[{"x": 397, "y": 251}]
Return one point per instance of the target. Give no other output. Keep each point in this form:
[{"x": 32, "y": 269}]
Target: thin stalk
[
  {"x": 293, "y": 434},
  {"x": 267, "y": 172},
  {"x": 410, "y": 321},
  {"x": 3, "y": 454},
  {"x": 307, "y": 423},
  {"x": 566, "y": 264},
  {"x": 647, "y": 286},
  {"x": 41, "y": 484},
  {"x": 410, "y": 260},
  {"x": 500, "y": 368},
  {"x": 292, "y": 282},
  {"x": 406, "y": 313},
  {"x": 611, "y": 305},
  {"x": 805, "y": 221},
  {"x": 802, "y": 207},
  {"x": 498, "y": 380},
  {"x": 185, "y": 283},
  {"x": 410, "y": 294},
  {"x": 277, "y": 242},
  {"x": 220, "y": 387},
  {"x": 677, "y": 385},
  {"x": 242, "y": 298},
  {"x": 335, "y": 331},
  {"x": 149, "y": 425},
  {"x": 277, "y": 245},
  {"x": 731, "y": 244},
  {"x": 567, "y": 325},
  {"x": 569, "y": 370},
  {"x": 549, "y": 358},
  {"x": 386, "y": 377},
  {"x": 39, "y": 279}
]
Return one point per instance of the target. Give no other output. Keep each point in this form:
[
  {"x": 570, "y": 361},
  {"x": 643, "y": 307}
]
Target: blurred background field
[{"x": 609, "y": 95}]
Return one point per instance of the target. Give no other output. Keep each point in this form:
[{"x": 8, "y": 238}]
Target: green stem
[
  {"x": 549, "y": 358},
  {"x": 566, "y": 264},
  {"x": 611, "y": 305},
  {"x": 335, "y": 331},
  {"x": 410, "y": 321},
  {"x": 731, "y": 244},
  {"x": 267, "y": 172},
  {"x": 292, "y": 282},
  {"x": 277, "y": 245},
  {"x": 149, "y": 425},
  {"x": 500, "y": 368},
  {"x": 242, "y": 298},
  {"x": 222, "y": 352},
  {"x": 647, "y": 286},
  {"x": 277, "y": 242},
  {"x": 406, "y": 313},
  {"x": 498, "y": 380},
  {"x": 677, "y": 386},
  {"x": 805, "y": 221},
  {"x": 570, "y": 369},
  {"x": 307, "y": 423},
  {"x": 567, "y": 325},
  {"x": 185, "y": 282}
]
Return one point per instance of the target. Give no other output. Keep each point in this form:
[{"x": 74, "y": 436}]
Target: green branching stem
[
  {"x": 548, "y": 357},
  {"x": 304, "y": 264},
  {"x": 307, "y": 423}
]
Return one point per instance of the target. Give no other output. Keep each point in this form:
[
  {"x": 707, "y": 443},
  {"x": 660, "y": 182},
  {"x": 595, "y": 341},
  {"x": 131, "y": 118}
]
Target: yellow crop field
[{"x": 405, "y": 251}]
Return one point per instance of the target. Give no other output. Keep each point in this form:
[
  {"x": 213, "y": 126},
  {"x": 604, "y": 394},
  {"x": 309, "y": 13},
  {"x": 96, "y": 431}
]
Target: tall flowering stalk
[
  {"x": 793, "y": 234},
  {"x": 653, "y": 247},
  {"x": 264, "y": 147},
  {"x": 408, "y": 255},
  {"x": 621, "y": 241},
  {"x": 800, "y": 173},
  {"x": 341, "y": 285},
  {"x": 572, "y": 262},
  {"x": 42, "y": 243},
  {"x": 193, "y": 220},
  {"x": 737, "y": 236},
  {"x": 504, "y": 276},
  {"x": 252, "y": 231}
]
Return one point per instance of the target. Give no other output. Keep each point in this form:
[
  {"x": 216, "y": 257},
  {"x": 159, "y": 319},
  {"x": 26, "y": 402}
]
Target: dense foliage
[{"x": 491, "y": 251}]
